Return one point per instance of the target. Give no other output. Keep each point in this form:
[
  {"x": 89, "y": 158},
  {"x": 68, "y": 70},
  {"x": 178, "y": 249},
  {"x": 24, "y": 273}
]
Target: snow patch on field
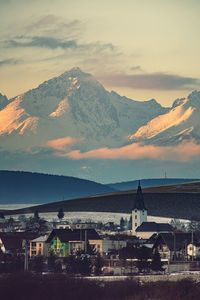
[{"x": 87, "y": 216}]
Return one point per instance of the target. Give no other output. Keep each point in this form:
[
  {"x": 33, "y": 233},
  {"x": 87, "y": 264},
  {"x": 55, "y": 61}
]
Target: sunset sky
[{"x": 141, "y": 49}]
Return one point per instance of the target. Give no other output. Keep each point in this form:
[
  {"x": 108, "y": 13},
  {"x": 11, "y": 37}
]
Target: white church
[{"x": 140, "y": 227}]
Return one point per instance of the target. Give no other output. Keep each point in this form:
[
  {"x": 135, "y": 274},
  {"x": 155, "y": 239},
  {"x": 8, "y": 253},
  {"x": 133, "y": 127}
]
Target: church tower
[{"x": 139, "y": 211}]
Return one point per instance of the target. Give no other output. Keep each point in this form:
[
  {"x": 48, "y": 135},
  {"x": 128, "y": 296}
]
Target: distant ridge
[
  {"x": 145, "y": 183},
  {"x": 17, "y": 187},
  {"x": 173, "y": 201}
]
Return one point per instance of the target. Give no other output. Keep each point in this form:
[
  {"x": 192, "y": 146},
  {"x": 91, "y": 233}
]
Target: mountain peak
[
  {"x": 177, "y": 102},
  {"x": 76, "y": 71},
  {"x": 3, "y": 101},
  {"x": 194, "y": 99}
]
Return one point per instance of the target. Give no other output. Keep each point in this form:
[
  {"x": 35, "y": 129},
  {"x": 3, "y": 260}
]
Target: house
[
  {"x": 88, "y": 225},
  {"x": 193, "y": 250},
  {"x": 173, "y": 245},
  {"x": 39, "y": 246},
  {"x": 107, "y": 245},
  {"x": 147, "y": 229},
  {"x": 64, "y": 242},
  {"x": 14, "y": 242},
  {"x": 139, "y": 211},
  {"x": 62, "y": 225},
  {"x": 9, "y": 225}
]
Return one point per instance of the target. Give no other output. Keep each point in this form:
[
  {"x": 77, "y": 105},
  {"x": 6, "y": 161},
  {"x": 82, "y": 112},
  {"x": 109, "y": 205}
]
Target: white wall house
[{"x": 193, "y": 250}]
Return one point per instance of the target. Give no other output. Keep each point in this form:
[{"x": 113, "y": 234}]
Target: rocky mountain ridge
[
  {"x": 74, "y": 113},
  {"x": 74, "y": 104}
]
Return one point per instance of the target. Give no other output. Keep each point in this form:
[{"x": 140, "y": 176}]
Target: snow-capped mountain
[
  {"x": 181, "y": 122},
  {"x": 71, "y": 125},
  {"x": 74, "y": 104}
]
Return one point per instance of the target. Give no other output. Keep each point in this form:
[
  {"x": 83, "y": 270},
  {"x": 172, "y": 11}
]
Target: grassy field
[{"x": 27, "y": 286}]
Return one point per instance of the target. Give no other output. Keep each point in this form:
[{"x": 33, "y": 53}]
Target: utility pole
[
  {"x": 192, "y": 245},
  {"x": 185, "y": 250},
  {"x": 81, "y": 244},
  {"x": 26, "y": 256},
  {"x": 85, "y": 240},
  {"x": 174, "y": 247}
]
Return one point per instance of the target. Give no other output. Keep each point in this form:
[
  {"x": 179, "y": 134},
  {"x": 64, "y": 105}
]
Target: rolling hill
[
  {"x": 173, "y": 201},
  {"x": 129, "y": 185},
  {"x": 26, "y": 187}
]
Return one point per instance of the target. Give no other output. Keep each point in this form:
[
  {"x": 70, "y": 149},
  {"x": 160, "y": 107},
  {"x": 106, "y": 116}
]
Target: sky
[{"x": 140, "y": 49}]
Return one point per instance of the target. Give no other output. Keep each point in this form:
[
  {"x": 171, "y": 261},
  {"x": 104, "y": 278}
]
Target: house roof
[
  {"x": 13, "y": 240},
  {"x": 154, "y": 227},
  {"x": 66, "y": 235},
  {"x": 139, "y": 202},
  {"x": 195, "y": 243},
  {"x": 177, "y": 240},
  {"x": 40, "y": 239}
]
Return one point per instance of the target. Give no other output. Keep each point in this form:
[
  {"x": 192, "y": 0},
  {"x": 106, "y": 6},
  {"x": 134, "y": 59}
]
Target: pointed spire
[{"x": 139, "y": 202}]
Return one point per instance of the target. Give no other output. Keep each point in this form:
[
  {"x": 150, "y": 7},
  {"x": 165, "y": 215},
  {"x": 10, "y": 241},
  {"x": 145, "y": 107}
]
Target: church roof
[
  {"x": 139, "y": 202},
  {"x": 154, "y": 227}
]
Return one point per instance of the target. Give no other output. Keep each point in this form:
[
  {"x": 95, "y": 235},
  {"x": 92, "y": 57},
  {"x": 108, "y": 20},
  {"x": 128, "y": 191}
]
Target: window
[
  {"x": 40, "y": 245},
  {"x": 33, "y": 244},
  {"x": 135, "y": 210},
  {"x": 135, "y": 224},
  {"x": 135, "y": 216},
  {"x": 33, "y": 252}
]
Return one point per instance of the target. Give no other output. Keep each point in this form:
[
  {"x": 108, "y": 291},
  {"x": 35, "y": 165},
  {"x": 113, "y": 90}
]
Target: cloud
[
  {"x": 52, "y": 25},
  {"x": 9, "y": 61},
  {"x": 43, "y": 22},
  {"x": 42, "y": 42},
  {"x": 136, "y": 68},
  {"x": 62, "y": 144},
  {"x": 54, "y": 43},
  {"x": 84, "y": 167},
  {"x": 151, "y": 81},
  {"x": 183, "y": 152}
]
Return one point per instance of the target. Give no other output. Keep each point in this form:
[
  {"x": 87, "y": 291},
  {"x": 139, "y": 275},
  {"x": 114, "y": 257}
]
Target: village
[{"x": 132, "y": 247}]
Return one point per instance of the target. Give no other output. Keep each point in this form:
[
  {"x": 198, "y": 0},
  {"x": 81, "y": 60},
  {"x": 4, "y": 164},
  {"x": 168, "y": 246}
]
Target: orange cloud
[
  {"x": 183, "y": 152},
  {"x": 62, "y": 144},
  {"x": 84, "y": 167}
]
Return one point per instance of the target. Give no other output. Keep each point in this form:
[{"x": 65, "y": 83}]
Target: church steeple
[
  {"x": 139, "y": 202},
  {"x": 139, "y": 211}
]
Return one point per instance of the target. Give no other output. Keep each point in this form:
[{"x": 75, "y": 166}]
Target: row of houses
[
  {"x": 172, "y": 246},
  {"x": 61, "y": 242}
]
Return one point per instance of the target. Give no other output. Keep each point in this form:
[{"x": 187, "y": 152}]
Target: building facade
[{"x": 39, "y": 246}]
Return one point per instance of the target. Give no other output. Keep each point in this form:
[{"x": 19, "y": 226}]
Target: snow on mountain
[
  {"x": 161, "y": 123},
  {"x": 13, "y": 117},
  {"x": 73, "y": 104},
  {"x": 61, "y": 109},
  {"x": 180, "y": 123}
]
